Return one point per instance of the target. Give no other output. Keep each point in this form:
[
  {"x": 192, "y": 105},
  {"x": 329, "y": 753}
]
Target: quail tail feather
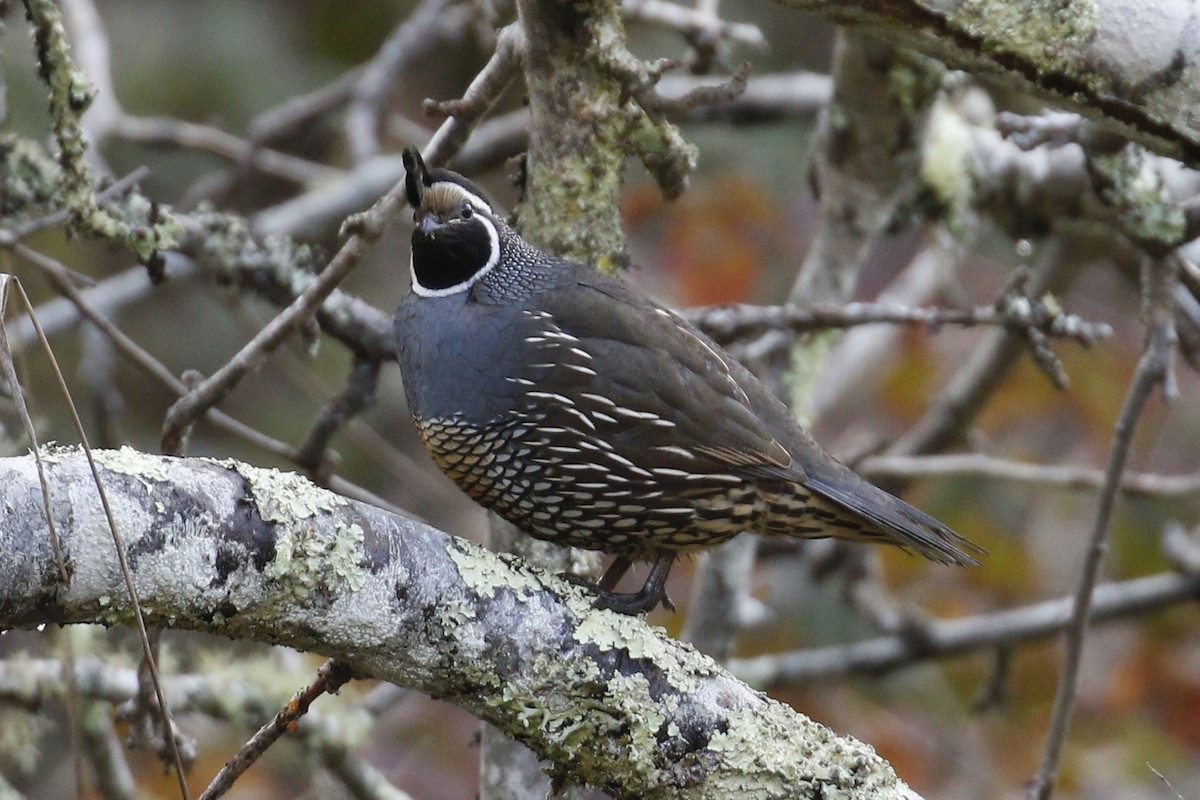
[{"x": 897, "y": 521}]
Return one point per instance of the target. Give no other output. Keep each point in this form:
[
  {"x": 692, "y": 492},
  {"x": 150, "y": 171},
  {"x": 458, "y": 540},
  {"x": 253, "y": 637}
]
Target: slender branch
[
  {"x": 693, "y": 22},
  {"x": 241, "y": 701},
  {"x": 155, "y": 369},
  {"x": 727, "y": 323},
  {"x": 979, "y": 465},
  {"x": 966, "y": 393},
  {"x": 1159, "y": 278},
  {"x": 424, "y": 29},
  {"x": 359, "y": 394},
  {"x": 114, "y": 778},
  {"x": 366, "y": 229},
  {"x": 330, "y": 677},
  {"x": 213, "y": 140},
  {"x": 1111, "y": 602},
  {"x": 482, "y": 93}
]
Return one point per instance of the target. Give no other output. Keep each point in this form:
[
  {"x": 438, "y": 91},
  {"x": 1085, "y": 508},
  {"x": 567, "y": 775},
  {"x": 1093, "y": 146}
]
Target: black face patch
[{"x": 452, "y": 254}]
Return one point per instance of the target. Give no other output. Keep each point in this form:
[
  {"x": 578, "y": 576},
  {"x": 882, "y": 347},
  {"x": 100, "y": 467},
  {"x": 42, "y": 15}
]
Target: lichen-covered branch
[
  {"x": 70, "y": 95},
  {"x": 256, "y": 554},
  {"x": 1128, "y": 63},
  {"x": 583, "y": 89}
]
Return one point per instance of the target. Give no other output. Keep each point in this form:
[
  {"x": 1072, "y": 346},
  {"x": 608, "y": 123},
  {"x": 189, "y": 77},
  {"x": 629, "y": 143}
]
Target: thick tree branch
[
  {"x": 256, "y": 554},
  {"x": 1129, "y": 64}
]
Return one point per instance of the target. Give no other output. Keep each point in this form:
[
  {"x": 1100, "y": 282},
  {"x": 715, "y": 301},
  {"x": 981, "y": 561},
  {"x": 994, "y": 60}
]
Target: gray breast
[{"x": 454, "y": 356}]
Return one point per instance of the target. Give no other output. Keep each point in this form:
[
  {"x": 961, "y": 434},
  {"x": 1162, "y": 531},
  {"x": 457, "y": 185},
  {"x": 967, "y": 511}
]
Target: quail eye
[{"x": 467, "y": 211}]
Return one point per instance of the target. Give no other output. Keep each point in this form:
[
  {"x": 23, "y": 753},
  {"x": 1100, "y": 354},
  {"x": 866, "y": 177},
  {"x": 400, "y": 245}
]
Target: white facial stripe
[
  {"x": 493, "y": 257},
  {"x": 475, "y": 200}
]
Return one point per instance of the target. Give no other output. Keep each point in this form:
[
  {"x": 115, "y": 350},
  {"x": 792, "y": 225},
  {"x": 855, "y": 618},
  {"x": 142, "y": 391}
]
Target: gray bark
[
  {"x": 257, "y": 554},
  {"x": 1128, "y": 63}
]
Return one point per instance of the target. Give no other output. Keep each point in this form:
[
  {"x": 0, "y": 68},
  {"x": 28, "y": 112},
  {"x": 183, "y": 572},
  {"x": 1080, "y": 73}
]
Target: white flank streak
[
  {"x": 629, "y": 412},
  {"x": 667, "y": 472},
  {"x": 599, "y": 398},
  {"x": 580, "y": 415},
  {"x": 552, "y": 396}
]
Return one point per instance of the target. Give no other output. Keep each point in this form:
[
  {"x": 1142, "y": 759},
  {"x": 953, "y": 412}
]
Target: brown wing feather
[
  {"x": 647, "y": 360},
  {"x": 681, "y": 377}
]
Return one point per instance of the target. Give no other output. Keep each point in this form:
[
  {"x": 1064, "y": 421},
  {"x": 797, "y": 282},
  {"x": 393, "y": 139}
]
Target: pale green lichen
[
  {"x": 284, "y": 497},
  {"x": 485, "y": 573},
  {"x": 948, "y": 163},
  {"x": 21, "y": 736},
  {"x": 29, "y": 179},
  {"x": 226, "y": 247},
  {"x": 636, "y": 701},
  {"x": 808, "y": 360},
  {"x": 912, "y": 81},
  {"x": 1135, "y": 188},
  {"x": 308, "y": 560},
  {"x": 609, "y": 631},
  {"x": 832, "y": 767},
  {"x": 70, "y": 95},
  {"x": 134, "y": 463},
  {"x": 1050, "y": 35}
]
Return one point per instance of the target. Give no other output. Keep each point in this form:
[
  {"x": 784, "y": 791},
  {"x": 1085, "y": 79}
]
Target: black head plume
[{"x": 416, "y": 176}]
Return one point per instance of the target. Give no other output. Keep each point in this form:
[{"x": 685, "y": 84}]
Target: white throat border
[{"x": 484, "y": 212}]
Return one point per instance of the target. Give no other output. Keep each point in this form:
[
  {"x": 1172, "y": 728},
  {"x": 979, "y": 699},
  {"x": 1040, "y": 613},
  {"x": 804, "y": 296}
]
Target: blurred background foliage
[{"x": 737, "y": 235}]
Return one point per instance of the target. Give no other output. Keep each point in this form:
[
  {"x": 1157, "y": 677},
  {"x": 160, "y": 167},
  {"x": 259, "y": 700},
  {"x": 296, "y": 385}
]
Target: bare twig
[
  {"x": 693, "y": 22},
  {"x": 482, "y": 93},
  {"x": 183, "y": 414},
  {"x": 787, "y": 95},
  {"x": 330, "y": 677},
  {"x": 213, "y": 140},
  {"x": 967, "y": 392},
  {"x": 722, "y": 604},
  {"x": 298, "y": 111},
  {"x": 416, "y": 35},
  {"x": 359, "y": 393},
  {"x": 705, "y": 95},
  {"x": 979, "y": 465},
  {"x": 1055, "y": 128},
  {"x": 140, "y": 623},
  {"x": 1158, "y": 276},
  {"x": 154, "y": 368},
  {"x": 1182, "y": 547},
  {"x": 727, "y": 323},
  {"x": 939, "y": 638},
  {"x": 107, "y": 756}
]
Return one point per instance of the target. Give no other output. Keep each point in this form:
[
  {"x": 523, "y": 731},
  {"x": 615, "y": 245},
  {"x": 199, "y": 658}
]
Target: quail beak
[{"x": 428, "y": 225}]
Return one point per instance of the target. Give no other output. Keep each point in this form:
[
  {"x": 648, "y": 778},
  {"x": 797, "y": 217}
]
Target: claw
[{"x": 652, "y": 593}]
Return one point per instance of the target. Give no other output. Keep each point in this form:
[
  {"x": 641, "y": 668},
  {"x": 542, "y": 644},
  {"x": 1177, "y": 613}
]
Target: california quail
[{"x": 588, "y": 415}]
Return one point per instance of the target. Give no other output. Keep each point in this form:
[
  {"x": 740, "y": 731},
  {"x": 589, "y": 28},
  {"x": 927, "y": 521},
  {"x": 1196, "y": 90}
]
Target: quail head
[{"x": 589, "y": 415}]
